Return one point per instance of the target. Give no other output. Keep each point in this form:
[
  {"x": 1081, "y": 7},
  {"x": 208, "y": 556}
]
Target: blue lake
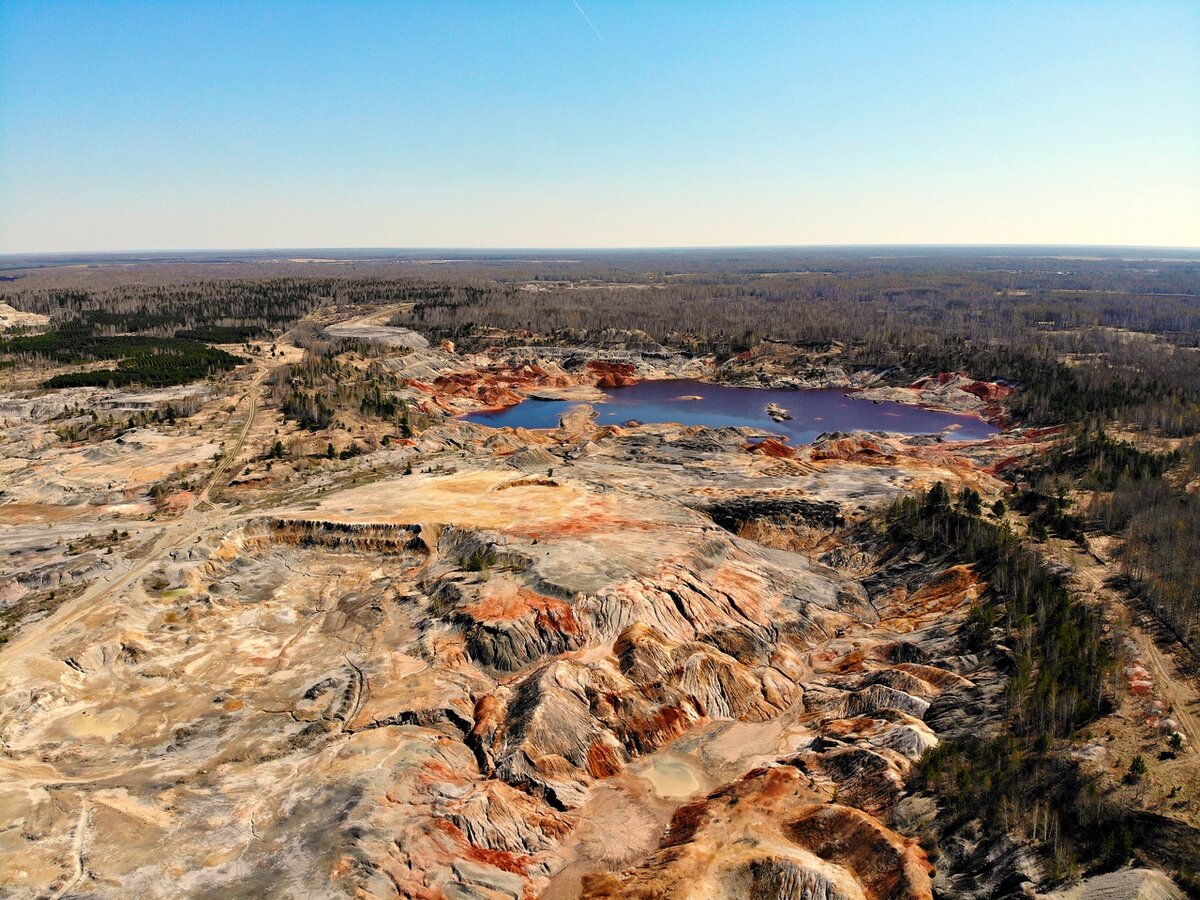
[{"x": 813, "y": 412}]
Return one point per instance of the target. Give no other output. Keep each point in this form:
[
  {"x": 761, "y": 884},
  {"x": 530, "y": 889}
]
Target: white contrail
[{"x": 589, "y": 21}]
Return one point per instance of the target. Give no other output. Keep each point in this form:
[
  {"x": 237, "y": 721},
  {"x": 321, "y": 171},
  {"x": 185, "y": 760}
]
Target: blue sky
[{"x": 294, "y": 124}]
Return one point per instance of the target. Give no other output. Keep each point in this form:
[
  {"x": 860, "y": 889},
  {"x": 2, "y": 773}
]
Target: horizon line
[{"x": 8, "y": 254}]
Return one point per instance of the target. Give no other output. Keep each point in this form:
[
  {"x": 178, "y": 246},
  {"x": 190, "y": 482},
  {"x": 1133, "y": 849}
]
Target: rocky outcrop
[{"x": 778, "y": 413}]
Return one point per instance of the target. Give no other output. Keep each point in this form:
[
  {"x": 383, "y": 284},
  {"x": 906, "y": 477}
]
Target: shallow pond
[{"x": 714, "y": 405}]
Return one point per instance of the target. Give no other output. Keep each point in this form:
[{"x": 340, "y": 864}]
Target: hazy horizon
[
  {"x": 1024, "y": 248},
  {"x": 553, "y": 125}
]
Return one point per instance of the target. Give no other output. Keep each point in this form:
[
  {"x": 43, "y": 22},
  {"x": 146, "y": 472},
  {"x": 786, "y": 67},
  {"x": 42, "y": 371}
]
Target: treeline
[
  {"x": 223, "y": 334},
  {"x": 1162, "y": 556},
  {"x": 1081, "y": 339},
  {"x": 1158, "y": 518},
  {"x": 249, "y": 307},
  {"x": 1088, "y": 461},
  {"x": 158, "y": 335},
  {"x": 1060, "y": 660},
  {"x": 219, "y": 310},
  {"x": 1060, "y": 664},
  {"x": 1147, "y": 374},
  {"x": 1097, "y": 462},
  {"x": 738, "y": 310},
  {"x": 1157, "y": 387},
  {"x": 1138, "y": 495},
  {"x": 313, "y": 390},
  {"x": 83, "y": 424},
  {"x": 146, "y": 361}
]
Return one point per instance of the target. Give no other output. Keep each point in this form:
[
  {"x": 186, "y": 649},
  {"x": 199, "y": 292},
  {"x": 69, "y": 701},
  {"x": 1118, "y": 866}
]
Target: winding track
[
  {"x": 1166, "y": 685},
  {"x": 251, "y": 396},
  {"x": 78, "y": 845},
  {"x": 1092, "y": 573}
]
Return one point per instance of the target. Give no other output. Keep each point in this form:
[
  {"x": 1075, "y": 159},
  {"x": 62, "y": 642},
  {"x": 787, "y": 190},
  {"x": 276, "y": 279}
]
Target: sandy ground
[{"x": 347, "y": 680}]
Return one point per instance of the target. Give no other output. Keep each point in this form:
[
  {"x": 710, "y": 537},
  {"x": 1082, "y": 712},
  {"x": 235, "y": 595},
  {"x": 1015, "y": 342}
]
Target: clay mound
[
  {"x": 947, "y": 589},
  {"x": 642, "y": 653},
  {"x": 486, "y": 391},
  {"x": 901, "y": 680},
  {"x": 1130, "y": 884},
  {"x": 533, "y": 459},
  {"x": 869, "y": 779},
  {"x": 885, "y": 863},
  {"x": 952, "y": 390},
  {"x": 507, "y": 441},
  {"x": 857, "y": 448},
  {"x": 772, "y": 448},
  {"x": 987, "y": 391},
  {"x": 611, "y": 375},
  {"x": 941, "y": 379},
  {"x": 880, "y": 697},
  {"x": 725, "y": 689},
  {"x": 771, "y": 835}
]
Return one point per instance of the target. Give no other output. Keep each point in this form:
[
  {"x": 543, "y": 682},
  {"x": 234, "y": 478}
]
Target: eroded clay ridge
[{"x": 465, "y": 681}]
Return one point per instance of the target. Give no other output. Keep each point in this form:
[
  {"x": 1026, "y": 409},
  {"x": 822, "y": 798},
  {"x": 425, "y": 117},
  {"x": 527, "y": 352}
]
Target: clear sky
[{"x": 518, "y": 124}]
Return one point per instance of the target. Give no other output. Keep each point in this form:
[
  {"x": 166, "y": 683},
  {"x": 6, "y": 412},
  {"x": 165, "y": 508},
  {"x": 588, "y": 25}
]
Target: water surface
[{"x": 719, "y": 405}]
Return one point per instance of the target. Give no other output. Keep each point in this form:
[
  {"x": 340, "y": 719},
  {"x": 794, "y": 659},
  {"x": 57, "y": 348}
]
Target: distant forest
[
  {"x": 1135, "y": 358},
  {"x": 1083, "y": 338}
]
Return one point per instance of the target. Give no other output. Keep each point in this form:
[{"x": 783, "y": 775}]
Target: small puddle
[
  {"x": 101, "y": 723},
  {"x": 673, "y": 778}
]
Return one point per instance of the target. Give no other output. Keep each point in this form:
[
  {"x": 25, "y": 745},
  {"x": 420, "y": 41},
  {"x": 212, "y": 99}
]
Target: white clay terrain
[{"x": 476, "y": 663}]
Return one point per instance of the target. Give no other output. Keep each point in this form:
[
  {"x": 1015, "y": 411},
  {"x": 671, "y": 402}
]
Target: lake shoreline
[{"x": 713, "y": 404}]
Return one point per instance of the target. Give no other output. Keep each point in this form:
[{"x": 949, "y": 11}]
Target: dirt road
[{"x": 1180, "y": 693}]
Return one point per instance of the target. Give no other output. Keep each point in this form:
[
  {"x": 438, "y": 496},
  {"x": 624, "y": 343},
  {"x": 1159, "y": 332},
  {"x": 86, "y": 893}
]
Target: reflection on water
[{"x": 697, "y": 403}]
